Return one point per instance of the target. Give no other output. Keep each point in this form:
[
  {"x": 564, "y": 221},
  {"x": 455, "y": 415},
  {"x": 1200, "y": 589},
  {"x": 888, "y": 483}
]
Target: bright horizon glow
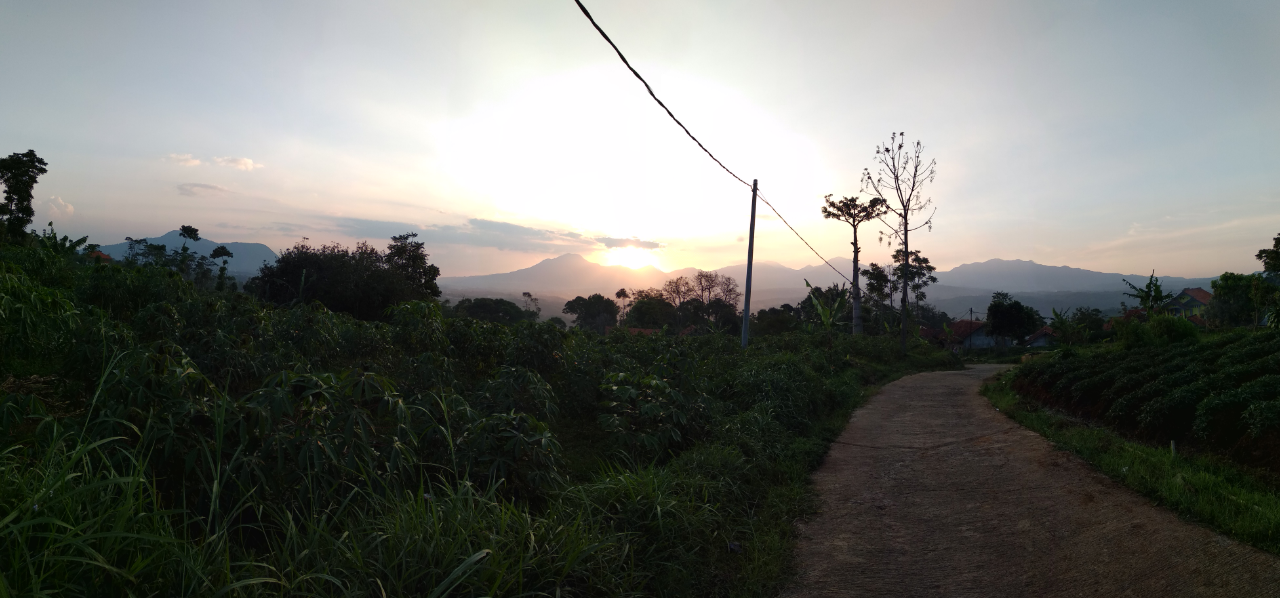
[
  {"x": 588, "y": 146},
  {"x": 631, "y": 257}
]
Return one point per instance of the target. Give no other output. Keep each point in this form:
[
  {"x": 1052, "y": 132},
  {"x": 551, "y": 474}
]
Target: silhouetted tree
[
  {"x": 596, "y": 312},
  {"x": 1236, "y": 299},
  {"x": 710, "y": 286},
  {"x": 855, "y": 214},
  {"x": 901, "y": 175},
  {"x": 677, "y": 290},
  {"x": 499, "y": 311},
  {"x": 651, "y": 311},
  {"x": 1270, "y": 257},
  {"x": 622, "y": 296},
  {"x": 189, "y": 232},
  {"x": 1151, "y": 297},
  {"x": 19, "y": 173},
  {"x": 531, "y": 304},
  {"x": 362, "y": 281},
  {"x": 1011, "y": 319},
  {"x": 409, "y": 259},
  {"x": 222, "y": 252},
  {"x": 775, "y": 320}
]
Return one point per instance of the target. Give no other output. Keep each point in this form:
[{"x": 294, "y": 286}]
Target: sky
[{"x": 1113, "y": 136}]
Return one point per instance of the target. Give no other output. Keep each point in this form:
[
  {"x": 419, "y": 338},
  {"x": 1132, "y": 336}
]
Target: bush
[
  {"x": 363, "y": 282},
  {"x": 1219, "y": 392},
  {"x": 1170, "y": 329}
]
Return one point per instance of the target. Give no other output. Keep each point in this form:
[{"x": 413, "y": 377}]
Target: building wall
[
  {"x": 1043, "y": 341},
  {"x": 979, "y": 340}
]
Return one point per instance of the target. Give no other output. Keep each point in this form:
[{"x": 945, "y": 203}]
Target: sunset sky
[{"x": 1113, "y": 136}]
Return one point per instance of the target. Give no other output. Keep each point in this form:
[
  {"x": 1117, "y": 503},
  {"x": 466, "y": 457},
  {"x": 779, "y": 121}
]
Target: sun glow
[{"x": 631, "y": 257}]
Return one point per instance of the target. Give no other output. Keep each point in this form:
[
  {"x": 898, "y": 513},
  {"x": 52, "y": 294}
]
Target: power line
[
  {"x": 802, "y": 240},
  {"x": 653, "y": 95}
]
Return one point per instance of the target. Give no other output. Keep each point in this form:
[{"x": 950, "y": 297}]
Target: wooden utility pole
[{"x": 751, "y": 250}]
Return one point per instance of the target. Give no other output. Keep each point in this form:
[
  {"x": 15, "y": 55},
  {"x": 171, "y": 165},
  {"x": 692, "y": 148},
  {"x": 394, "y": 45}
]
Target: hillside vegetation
[
  {"x": 159, "y": 439},
  {"x": 1221, "y": 393}
]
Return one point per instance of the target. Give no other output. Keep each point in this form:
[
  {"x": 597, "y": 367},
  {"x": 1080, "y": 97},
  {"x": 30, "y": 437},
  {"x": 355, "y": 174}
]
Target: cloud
[
  {"x": 477, "y": 232},
  {"x": 57, "y": 208},
  {"x": 237, "y": 163},
  {"x": 611, "y": 242},
  {"x": 183, "y": 159},
  {"x": 193, "y": 189}
]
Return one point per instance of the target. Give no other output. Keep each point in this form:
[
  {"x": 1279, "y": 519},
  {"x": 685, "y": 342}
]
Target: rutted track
[{"x": 932, "y": 492}]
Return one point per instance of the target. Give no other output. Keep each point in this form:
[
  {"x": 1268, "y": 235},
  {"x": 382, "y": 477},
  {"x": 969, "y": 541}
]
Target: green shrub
[
  {"x": 1170, "y": 329},
  {"x": 205, "y": 442}
]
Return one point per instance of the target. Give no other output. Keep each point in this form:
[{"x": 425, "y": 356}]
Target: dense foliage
[
  {"x": 1221, "y": 392},
  {"x": 363, "y": 282},
  {"x": 160, "y": 439}
]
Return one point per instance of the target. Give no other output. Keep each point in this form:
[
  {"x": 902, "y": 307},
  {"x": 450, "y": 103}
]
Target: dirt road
[{"x": 932, "y": 492}]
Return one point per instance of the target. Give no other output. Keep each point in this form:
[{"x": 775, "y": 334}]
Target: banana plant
[{"x": 827, "y": 312}]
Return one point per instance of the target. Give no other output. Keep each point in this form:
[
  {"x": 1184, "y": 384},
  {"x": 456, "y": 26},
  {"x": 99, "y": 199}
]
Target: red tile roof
[
  {"x": 961, "y": 329},
  {"x": 1198, "y": 294},
  {"x": 1046, "y": 331}
]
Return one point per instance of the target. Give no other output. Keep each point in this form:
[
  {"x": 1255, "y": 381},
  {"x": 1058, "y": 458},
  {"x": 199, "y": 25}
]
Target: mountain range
[
  {"x": 959, "y": 289},
  {"x": 245, "y": 260}
]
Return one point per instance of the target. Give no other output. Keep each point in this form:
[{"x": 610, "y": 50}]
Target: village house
[
  {"x": 971, "y": 334},
  {"x": 1042, "y": 338},
  {"x": 1188, "y": 303}
]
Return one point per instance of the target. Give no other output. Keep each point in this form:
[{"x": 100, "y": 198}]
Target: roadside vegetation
[
  {"x": 1187, "y": 416},
  {"x": 164, "y": 433}
]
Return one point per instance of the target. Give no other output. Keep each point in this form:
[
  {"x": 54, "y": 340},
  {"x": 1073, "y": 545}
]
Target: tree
[
  {"x": 596, "y": 312},
  {"x": 361, "y": 281},
  {"x": 531, "y": 304},
  {"x": 775, "y": 320},
  {"x": 1235, "y": 299},
  {"x": 677, "y": 290},
  {"x": 189, "y": 232},
  {"x": 919, "y": 273},
  {"x": 1150, "y": 297},
  {"x": 651, "y": 311},
  {"x": 499, "y": 311},
  {"x": 19, "y": 173},
  {"x": 1270, "y": 258},
  {"x": 901, "y": 175},
  {"x": 622, "y": 296},
  {"x": 221, "y": 251},
  {"x": 853, "y": 213},
  {"x": 1009, "y": 318},
  {"x": 409, "y": 259},
  {"x": 710, "y": 286}
]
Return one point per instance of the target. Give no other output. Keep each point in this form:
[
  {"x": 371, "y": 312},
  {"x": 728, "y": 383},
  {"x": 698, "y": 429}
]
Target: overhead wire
[
  {"x": 653, "y": 95},
  {"x": 802, "y": 239}
]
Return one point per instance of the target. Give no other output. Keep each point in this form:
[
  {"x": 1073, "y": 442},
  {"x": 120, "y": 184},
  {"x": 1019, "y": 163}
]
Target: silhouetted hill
[
  {"x": 1027, "y": 276},
  {"x": 247, "y": 256}
]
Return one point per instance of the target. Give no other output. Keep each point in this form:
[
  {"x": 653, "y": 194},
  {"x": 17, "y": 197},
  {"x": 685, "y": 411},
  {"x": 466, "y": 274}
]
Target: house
[
  {"x": 1190, "y": 302},
  {"x": 971, "y": 334},
  {"x": 1042, "y": 338},
  {"x": 99, "y": 256}
]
